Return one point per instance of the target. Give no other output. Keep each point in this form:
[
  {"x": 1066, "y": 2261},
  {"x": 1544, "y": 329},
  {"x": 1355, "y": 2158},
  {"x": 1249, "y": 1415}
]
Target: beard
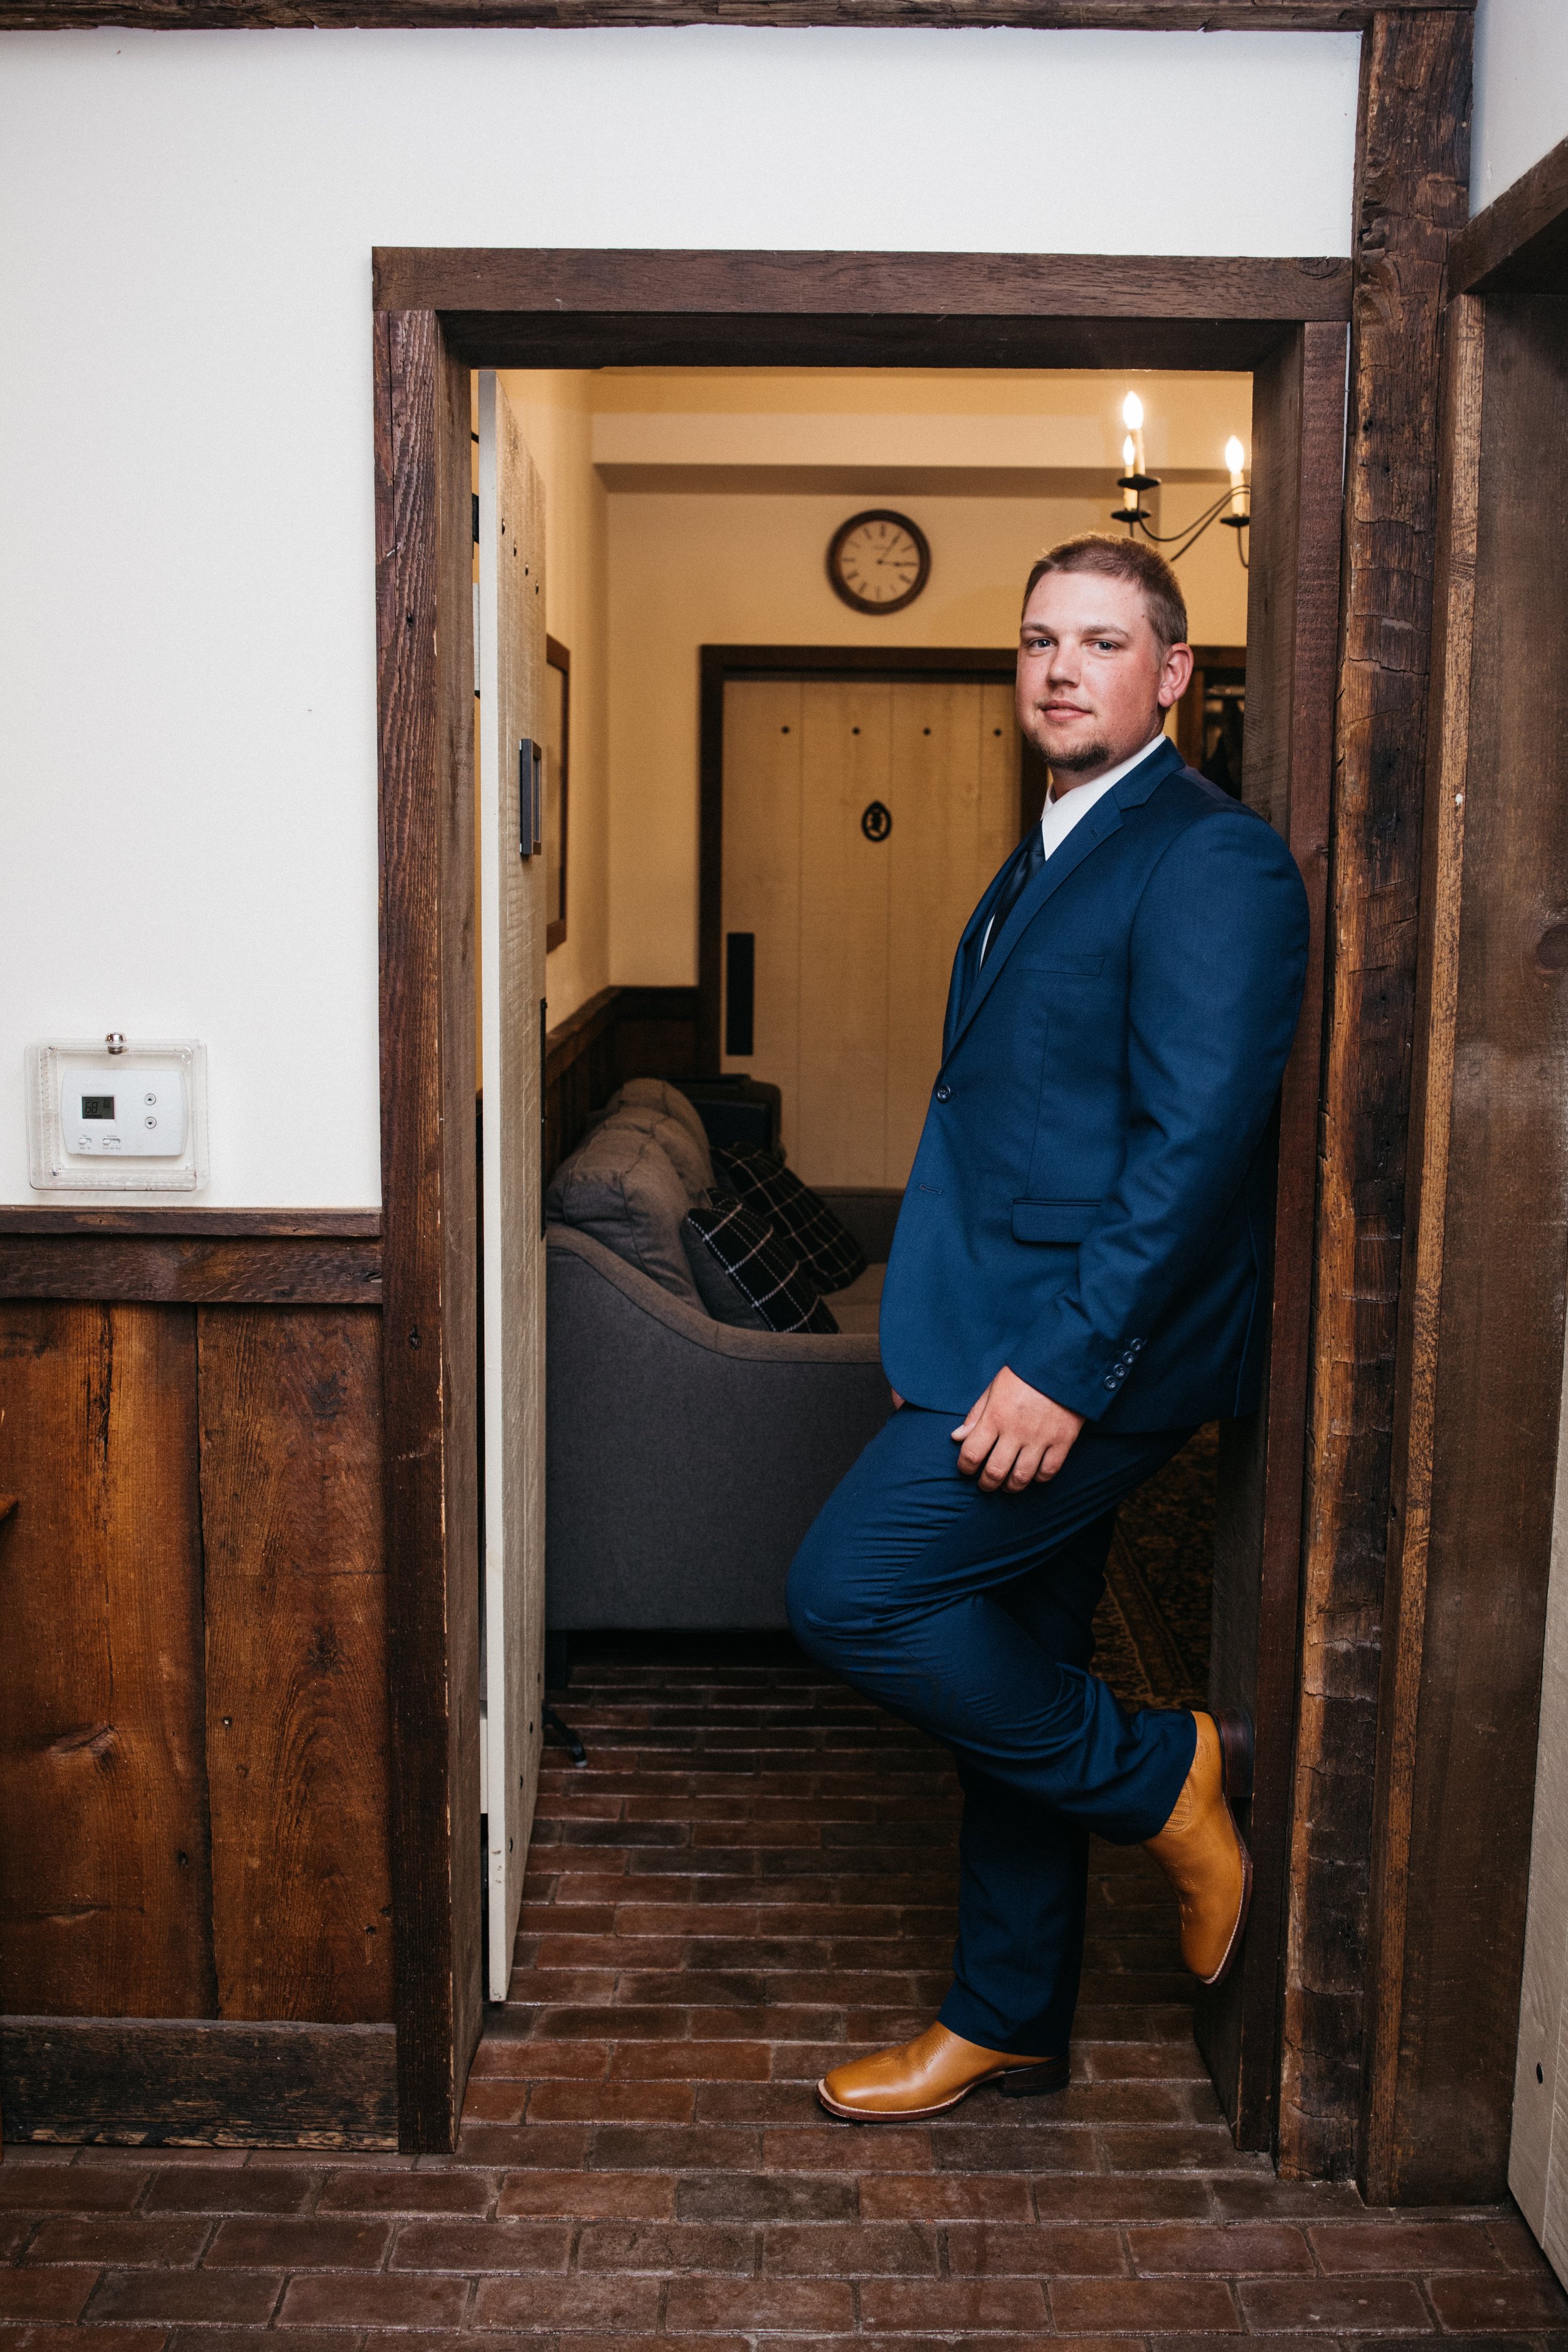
[{"x": 1073, "y": 763}]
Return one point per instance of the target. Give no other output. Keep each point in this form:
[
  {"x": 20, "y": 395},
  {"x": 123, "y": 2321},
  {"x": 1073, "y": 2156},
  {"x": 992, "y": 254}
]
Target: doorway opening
[{"x": 439, "y": 316}]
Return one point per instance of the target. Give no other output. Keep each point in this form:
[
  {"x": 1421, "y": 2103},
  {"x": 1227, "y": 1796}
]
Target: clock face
[{"x": 879, "y": 562}]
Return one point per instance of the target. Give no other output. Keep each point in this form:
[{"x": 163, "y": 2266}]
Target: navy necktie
[{"x": 1013, "y": 889}]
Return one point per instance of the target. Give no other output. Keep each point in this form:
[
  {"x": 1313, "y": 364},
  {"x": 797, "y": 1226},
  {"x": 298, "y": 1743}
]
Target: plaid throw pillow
[
  {"x": 745, "y": 1276},
  {"x": 799, "y": 1217}
]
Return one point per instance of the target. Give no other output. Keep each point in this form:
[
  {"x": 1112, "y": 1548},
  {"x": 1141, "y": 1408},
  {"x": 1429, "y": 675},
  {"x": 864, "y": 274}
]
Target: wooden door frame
[
  {"x": 1482, "y": 1309},
  {"x": 718, "y": 666},
  {"x": 439, "y": 313}
]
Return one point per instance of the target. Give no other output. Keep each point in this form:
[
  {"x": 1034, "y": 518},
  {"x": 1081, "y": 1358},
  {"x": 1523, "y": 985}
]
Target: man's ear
[{"x": 1176, "y": 676}]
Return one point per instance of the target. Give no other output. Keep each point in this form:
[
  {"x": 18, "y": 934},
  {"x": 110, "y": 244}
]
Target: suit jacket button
[{"x": 944, "y": 1094}]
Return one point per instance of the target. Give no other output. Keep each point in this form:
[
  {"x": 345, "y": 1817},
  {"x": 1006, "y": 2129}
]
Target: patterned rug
[{"x": 1151, "y": 1631}]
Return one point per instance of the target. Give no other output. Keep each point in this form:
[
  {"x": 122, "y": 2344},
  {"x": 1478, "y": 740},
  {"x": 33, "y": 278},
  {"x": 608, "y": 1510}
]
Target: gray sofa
[{"x": 685, "y": 1458}]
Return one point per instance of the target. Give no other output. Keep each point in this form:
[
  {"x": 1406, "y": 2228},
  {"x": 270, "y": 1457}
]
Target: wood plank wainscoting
[{"x": 196, "y": 1907}]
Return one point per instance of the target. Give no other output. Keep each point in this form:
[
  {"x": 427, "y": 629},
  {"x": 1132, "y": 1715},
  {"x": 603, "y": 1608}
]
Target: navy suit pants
[{"x": 972, "y": 1615}]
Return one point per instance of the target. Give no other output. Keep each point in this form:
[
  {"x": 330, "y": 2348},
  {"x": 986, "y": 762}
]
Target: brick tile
[
  {"x": 1235, "y": 2249},
  {"x": 1513, "y": 2300},
  {"x": 698, "y": 2307},
  {"x": 118, "y": 2239},
  {"x": 495, "y": 2101},
  {"x": 1515, "y": 2244},
  {"x": 201, "y": 2189},
  {"x": 45, "y": 2293},
  {"x": 42, "y": 2337},
  {"x": 406, "y": 2192},
  {"x": 698, "y": 2148},
  {"x": 1194, "y": 2148},
  {"x": 554, "y": 2148},
  {"x": 987, "y": 2249},
  {"x": 235, "y": 2297},
  {"x": 540, "y": 2062},
  {"x": 1121, "y": 2197},
  {"x": 666, "y": 2249},
  {"x": 1163, "y": 2061},
  {"x": 950, "y": 2196},
  {"x": 1262, "y": 2197},
  {"x": 764, "y": 2197},
  {"x": 895, "y": 2249},
  {"x": 758, "y": 2103},
  {"x": 691, "y": 2061},
  {"x": 589, "y": 2196},
  {"x": 607, "y": 2300},
  {"x": 273, "y": 2241},
  {"x": 953, "y": 2303},
  {"x": 55, "y": 2188},
  {"x": 1407, "y": 2244},
  {"x": 1001, "y": 2147},
  {"x": 325, "y": 2299},
  {"x": 1341, "y": 2306},
  {"x": 501, "y": 2245},
  {"x": 622, "y": 2103},
  {"x": 1120, "y": 2306},
  {"x": 887, "y": 2149}
]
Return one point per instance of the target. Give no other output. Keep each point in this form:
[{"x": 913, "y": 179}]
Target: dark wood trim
[
  {"x": 1298, "y": 438},
  {"x": 1119, "y": 16},
  {"x": 425, "y": 680},
  {"x": 543, "y": 308},
  {"x": 1431, "y": 1130},
  {"x": 557, "y": 657},
  {"x": 716, "y": 665},
  {"x": 571, "y": 1037},
  {"x": 194, "y": 2081},
  {"x": 257, "y": 1271},
  {"x": 258, "y": 1224},
  {"x": 1411, "y": 200},
  {"x": 473, "y": 283},
  {"x": 1522, "y": 238}
]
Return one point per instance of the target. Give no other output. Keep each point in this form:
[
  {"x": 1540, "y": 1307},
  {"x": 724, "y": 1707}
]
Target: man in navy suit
[{"x": 1078, "y": 1282}]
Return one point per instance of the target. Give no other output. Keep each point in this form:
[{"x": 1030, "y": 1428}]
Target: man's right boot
[{"x": 1200, "y": 1849}]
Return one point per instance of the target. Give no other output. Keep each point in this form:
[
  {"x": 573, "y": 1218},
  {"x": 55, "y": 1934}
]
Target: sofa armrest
[
  {"x": 684, "y": 1460},
  {"x": 690, "y": 1323},
  {"x": 870, "y": 1212}
]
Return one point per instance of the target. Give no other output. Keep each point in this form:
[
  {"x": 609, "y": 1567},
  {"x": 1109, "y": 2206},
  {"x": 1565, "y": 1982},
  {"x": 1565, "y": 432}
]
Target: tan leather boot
[
  {"x": 930, "y": 2074},
  {"x": 1200, "y": 1849}
]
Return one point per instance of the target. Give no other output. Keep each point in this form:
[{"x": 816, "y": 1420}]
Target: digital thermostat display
[{"x": 98, "y": 1105}]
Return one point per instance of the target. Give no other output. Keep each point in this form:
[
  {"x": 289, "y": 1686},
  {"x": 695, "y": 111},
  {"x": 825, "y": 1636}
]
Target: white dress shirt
[{"x": 1064, "y": 810}]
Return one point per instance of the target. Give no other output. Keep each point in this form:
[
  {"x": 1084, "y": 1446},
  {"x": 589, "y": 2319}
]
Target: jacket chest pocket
[{"x": 1061, "y": 967}]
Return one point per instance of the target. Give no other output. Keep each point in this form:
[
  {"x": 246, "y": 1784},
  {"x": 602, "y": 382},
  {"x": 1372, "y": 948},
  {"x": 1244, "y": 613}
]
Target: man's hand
[{"x": 1015, "y": 1435}]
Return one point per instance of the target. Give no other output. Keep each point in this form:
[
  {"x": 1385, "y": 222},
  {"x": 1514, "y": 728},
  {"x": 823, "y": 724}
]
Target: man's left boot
[
  {"x": 1200, "y": 1849},
  {"x": 928, "y": 2075}
]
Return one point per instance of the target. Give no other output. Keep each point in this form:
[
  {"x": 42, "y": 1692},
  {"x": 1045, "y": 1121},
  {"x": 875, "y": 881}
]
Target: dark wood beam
[
  {"x": 1521, "y": 242},
  {"x": 1119, "y": 16},
  {"x": 1411, "y": 201},
  {"x": 204, "y": 1270},
  {"x": 424, "y": 701}
]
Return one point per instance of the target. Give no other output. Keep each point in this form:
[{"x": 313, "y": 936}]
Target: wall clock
[{"x": 879, "y": 562}]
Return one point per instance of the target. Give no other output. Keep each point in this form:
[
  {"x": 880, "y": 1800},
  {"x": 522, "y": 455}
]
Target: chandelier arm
[{"x": 1168, "y": 539}]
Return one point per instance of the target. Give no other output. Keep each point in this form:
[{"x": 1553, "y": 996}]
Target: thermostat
[{"x": 113, "y": 1116}]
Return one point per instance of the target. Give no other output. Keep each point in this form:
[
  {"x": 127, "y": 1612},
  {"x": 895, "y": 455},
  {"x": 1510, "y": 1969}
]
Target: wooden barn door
[
  {"x": 511, "y": 958},
  {"x": 862, "y": 819}
]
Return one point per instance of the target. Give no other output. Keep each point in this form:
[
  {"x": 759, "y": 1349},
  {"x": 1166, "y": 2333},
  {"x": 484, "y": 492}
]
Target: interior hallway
[{"x": 752, "y": 1877}]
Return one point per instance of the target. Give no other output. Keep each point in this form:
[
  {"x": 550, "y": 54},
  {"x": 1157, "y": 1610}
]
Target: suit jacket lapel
[
  {"x": 969, "y": 947},
  {"x": 1103, "y": 819}
]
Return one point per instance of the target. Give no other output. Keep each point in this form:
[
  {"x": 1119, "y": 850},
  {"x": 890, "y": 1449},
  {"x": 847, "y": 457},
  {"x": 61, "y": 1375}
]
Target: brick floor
[{"x": 754, "y": 1878}]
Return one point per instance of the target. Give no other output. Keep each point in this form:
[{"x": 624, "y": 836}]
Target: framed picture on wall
[{"x": 557, "y": 764}]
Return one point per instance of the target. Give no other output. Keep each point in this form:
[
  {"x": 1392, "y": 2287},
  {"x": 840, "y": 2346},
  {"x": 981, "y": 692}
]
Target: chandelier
[{"x": 1135, "y": 479}]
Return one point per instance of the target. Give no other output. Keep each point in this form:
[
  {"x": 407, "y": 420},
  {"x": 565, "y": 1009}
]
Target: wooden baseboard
[{"x": 198, "y": 2083}]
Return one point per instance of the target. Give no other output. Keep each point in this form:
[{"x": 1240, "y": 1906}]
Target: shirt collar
[{"x": 1058, "y": 816}]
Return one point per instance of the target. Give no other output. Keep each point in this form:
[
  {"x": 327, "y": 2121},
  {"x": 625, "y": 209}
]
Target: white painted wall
[
  {"x": 1521, "y": 92},
  {"x": 186, "y": 629}
]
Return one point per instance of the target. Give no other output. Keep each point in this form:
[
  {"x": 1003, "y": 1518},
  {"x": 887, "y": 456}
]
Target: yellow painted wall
[{"x": 553, "y": 411}]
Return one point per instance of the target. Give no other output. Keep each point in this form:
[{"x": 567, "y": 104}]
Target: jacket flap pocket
[
  {"x": 1080, "y": 967},
  {"x": 1052, "y": 1221}
]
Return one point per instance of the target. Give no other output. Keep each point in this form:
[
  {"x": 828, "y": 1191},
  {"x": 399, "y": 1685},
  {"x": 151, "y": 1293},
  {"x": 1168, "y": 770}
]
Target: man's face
[{"x": 1094, "y": 681}]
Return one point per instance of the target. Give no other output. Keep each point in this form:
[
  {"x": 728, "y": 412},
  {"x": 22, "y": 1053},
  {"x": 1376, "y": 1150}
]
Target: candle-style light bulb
[
  {"x": 1132, "y": 417},
  {"x": 1235, "y": 457},
  {"x": 1129, "y": 466}
]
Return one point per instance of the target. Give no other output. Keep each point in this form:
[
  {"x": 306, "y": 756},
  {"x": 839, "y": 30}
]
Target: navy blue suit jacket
[{"x": 1089, "y": 1202}]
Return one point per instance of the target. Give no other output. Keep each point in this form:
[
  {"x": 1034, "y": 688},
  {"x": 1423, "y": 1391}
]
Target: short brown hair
[{"x": 1122, "y": 559}]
